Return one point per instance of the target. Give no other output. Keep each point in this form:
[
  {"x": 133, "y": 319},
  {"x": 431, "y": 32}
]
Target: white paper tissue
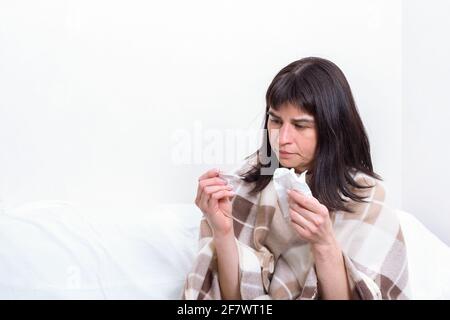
[{"x": 286, "y": 179}]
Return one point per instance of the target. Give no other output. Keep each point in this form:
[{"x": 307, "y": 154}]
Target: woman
[{"x": 341, "y": 243}]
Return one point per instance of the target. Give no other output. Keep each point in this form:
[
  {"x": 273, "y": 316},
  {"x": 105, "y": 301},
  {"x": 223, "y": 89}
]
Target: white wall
[
  {"x": 94, "y": 94},
  {"x": 426, "y": 113}
]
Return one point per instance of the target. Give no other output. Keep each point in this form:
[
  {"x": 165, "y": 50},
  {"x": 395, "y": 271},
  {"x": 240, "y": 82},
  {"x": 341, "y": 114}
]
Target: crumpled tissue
[{"x": 286, "y": 179}]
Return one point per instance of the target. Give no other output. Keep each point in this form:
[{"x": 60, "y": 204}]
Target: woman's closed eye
[{"x": 276, "y": 121}]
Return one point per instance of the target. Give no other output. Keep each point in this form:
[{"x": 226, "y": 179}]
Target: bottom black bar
[{"x": 257, "y": 309}]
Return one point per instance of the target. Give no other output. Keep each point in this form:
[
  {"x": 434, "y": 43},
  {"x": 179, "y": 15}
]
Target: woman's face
[{"x": 293, "y": 131}]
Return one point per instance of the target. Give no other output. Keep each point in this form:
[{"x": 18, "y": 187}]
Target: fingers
[
  {"x": 308, "y": 202},
  {"x": 212, "y": 181},
  {"x": 214, "y": 188},
  {"x": 222, "y": 194},
  {"x": 207, "y": 182},
  {"x": 208, "y": 191},
  {"x": 204, "y": 198},
  {"x": 316, "y": 219},
  {"x": 302, "y": 221},
  {"x": 209, "y": 174},
  {"x": 304, "y": 234},
  {"x": 214, "y": 194},
  {"x": 210, "y": 184}
]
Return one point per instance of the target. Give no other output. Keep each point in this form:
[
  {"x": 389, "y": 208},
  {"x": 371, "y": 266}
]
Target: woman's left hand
[{"x": 310, "y": 219}]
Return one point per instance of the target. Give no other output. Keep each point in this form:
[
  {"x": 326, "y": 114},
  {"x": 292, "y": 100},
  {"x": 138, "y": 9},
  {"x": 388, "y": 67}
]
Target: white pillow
[
  {"x": 428, "y": 260},
  {"x": 53, "y": 250}
]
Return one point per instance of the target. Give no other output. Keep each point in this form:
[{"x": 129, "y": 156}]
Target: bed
[{"x": 60, "y": 250}]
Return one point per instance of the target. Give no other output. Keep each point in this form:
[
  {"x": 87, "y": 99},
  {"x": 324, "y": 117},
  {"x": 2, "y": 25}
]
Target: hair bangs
[{"x": 291, "y": 89}]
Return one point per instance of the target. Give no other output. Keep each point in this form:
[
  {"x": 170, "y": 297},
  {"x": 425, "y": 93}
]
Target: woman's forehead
[{"x": 291, "y": 111}]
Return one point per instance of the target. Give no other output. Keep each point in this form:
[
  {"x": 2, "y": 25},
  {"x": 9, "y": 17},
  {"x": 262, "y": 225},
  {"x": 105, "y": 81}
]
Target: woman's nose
[{"x": 285, "y": 134}]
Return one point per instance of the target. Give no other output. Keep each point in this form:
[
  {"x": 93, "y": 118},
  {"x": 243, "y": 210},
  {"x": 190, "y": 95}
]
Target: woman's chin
[
  {"x": 291, "y": 163},
  {"x": 288, "y": 163}
]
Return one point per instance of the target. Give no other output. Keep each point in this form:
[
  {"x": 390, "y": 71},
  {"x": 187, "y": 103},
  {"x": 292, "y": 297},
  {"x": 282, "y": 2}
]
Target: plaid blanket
[{"x": 275, "y": 263}]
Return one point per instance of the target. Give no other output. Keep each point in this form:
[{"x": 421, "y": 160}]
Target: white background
[
  {"x": 426, "y": 113},
  {"x": 95, "y": 94}
]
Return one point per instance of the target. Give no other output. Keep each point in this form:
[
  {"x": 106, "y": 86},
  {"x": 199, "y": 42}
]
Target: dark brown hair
[{"x": 320, "y": 88}]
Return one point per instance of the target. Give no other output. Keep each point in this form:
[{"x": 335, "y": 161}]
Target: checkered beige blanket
[{"x": 274, "y": 263}]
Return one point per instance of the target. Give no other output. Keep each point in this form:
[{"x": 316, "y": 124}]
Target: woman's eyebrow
[
  {"x": 296, "y": 120},
  {"x": 273, "y": 114},
  {"x": 308, "y": 120}
]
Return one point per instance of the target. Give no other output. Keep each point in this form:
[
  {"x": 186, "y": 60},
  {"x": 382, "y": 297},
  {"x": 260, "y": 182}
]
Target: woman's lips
[{"x": 284, "y": 154}]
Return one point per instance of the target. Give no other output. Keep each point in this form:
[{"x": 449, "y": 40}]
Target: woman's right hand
[{"x": 213, "y": 199}]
